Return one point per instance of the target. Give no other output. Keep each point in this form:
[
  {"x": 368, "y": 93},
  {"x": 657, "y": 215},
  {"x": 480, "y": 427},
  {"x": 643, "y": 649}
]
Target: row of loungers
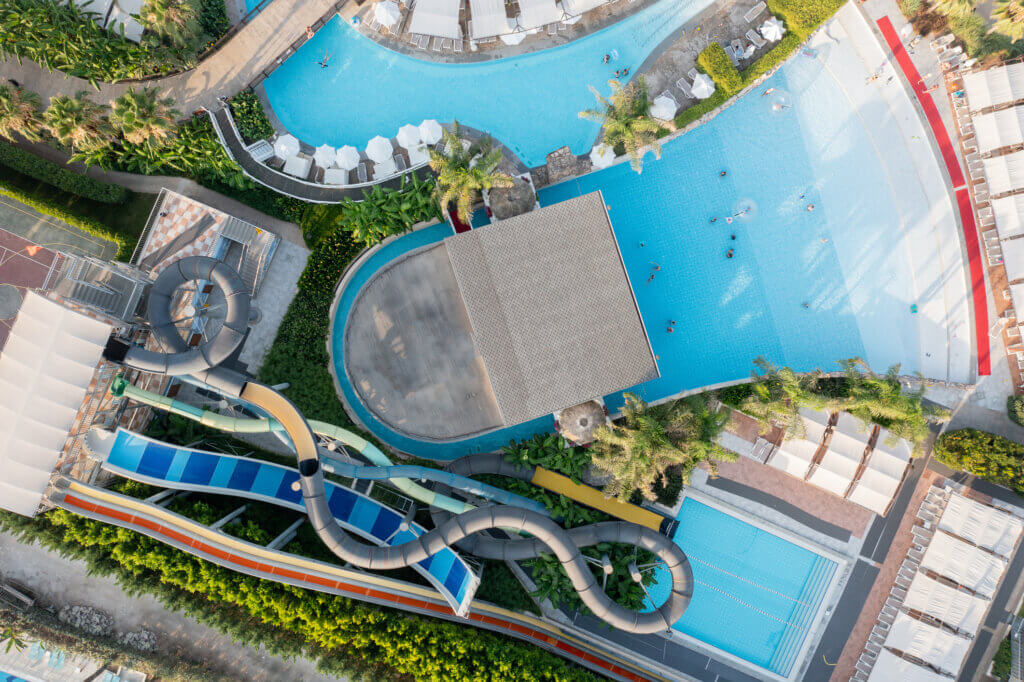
[
  {"x": 859, "y": 462},
  {"x": 959, "y": 551}
]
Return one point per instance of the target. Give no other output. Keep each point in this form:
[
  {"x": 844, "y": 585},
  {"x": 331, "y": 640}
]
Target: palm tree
[
  {"x": 78, "y": 122},
  {"x": 778, "y": 395},
  {"x": 175, "y": 20},
  {"x": 1009, "y": 15},
  {"x": 19, "y": 113},
  {"x": 463, "y": 172},
  {"x": 636, "y": 452},
  {"x": 626, "y": 121},
  {"x": 144, "y": 118},
  {"x": 14, "y": 639},
  {"x": 951, "y": 8}
]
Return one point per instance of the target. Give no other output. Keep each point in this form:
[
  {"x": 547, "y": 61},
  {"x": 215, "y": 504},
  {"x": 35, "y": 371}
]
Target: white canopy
[
  {"x": 1013, "y": 258},
  {"x": 379, "y": 149},
  {"x": 119, "y": 18},
  {"x": 853, "y": 427},
  {"x": 408, "y": 136},
  {"x": 537, "y": 13},
  {"x": 995, "y": 86},
  {"x": 430, "y": 131},
  {"x": 932, "y": 645},
  {"x": 829, "y": 479},
  {"x": 664, "y": 108},
  {"x": 1017, "y": 293},
  {"x": 942, "y": 602},
  {"x": 869, "y": 498},
  {"x": 1009, "y": 215},
  {"x": 897, "y": 448},
  {"x": 964, "y": 563},
  {"x": 45, "y": 370},
  {"x": 324, "y": 155},
  {"x": 513, "y": 38},
  {"x": 794, "y": 457},
  {"x": 888, "y": 667},
  {"x": 1004, "y": 173},
  {"x": 580, "y": 6},
  {"x": 773, "y": 29},
  {"x": 851, "y": 448},
  {"x": 983, "y": 525},
  {"x": 436, "y": 18},
  {"x": 703, "y": 86},
  {"x": 602, "y": 156},
  {"x": 347, "y": 158},
  {"x": 387, "y": 12},
  {"x": 489, "y": 19},
  {"x": 1003, "y": 128},
  {"x": 286, "y": 146}
]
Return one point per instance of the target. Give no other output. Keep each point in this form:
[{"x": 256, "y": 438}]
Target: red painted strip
[
  {"x": 313, "y": 579},
  {"x": 956, "y": 175}
]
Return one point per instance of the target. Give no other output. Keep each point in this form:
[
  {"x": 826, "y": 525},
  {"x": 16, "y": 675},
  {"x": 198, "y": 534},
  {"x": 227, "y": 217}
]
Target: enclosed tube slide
[
  {"x": 399, "y": 475},
  {"x": 202, "y": 363},
  {"x": 547, "y": 532}
]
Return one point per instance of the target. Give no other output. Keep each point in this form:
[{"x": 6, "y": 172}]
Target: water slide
[
  {"x": 151, "y": 461},
  {"x": 398, "y": 476},
  {"x": 548, "y": 536}
]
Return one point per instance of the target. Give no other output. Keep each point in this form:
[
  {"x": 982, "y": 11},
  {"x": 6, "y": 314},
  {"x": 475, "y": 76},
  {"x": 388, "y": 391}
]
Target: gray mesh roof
[{"x": 552, "y": 310}]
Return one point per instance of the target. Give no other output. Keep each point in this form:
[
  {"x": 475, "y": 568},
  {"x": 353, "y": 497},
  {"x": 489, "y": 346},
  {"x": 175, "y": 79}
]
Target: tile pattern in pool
[{"x": 756, "y": 596}]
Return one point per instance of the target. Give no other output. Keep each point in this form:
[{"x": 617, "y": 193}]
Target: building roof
[
  {"x": 552, "y": 309},
  {"x": 45, "y": 371}
]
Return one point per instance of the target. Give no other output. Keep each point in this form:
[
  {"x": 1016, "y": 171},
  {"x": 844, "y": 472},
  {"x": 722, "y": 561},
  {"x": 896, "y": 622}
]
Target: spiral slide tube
[
  {"x": 399, "y": 476},
  {"x": 547, "y": 532}
]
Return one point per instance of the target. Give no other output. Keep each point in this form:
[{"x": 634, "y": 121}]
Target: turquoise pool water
[
  {"x": 838, "y": 259},
  {"x": 756, "y": 595},
  {"x": 10, "y": 677},
  {"x": 530, "y": 103}
]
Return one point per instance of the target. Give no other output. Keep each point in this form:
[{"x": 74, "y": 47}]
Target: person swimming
[{"x": 728, "y": 254}]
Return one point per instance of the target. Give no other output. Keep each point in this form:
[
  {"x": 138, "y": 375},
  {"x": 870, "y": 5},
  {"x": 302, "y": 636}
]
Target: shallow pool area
[
  {"x": 756, "y": 596},
  {"x": 529, "y": 102}
]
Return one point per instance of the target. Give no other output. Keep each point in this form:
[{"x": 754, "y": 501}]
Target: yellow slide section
[{"x": 592, "y": 497}]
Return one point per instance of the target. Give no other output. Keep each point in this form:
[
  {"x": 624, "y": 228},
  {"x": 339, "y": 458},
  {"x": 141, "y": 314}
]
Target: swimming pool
[
  {"x": 756, "y": 594},
  {"x": 10, "y": 677},
  {"x": 530, "y": 102}
]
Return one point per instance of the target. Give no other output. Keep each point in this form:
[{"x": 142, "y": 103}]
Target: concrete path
[
  {"x": 59, "y": 581},
  {"x": 279, "y": 287},
  {"x": 255, "y": 48}
]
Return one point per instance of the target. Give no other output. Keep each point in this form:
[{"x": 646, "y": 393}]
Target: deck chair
[
  {"x": 755, "y": 37},
  {"x": 684, "y": 86},
  {"x": 361, "y": 172}
]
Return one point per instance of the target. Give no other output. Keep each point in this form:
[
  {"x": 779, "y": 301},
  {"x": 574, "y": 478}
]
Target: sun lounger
[
  {"x": 298, "y": 166},
  {"x": 446, "y": 44},
  {"x": 361, "y": 172},
  {"x": 756, "y": 39},
  {"x": 400, "y": 162},
  {"x": 458, "y": 46},
  {"x": 336, "y": 176},
  {"x": 733, "y": 57},
  {"x": 384, "y": 170},
  {"x": 552, "y": 29},
  {"x": 692, "y": 74},
  {"x": 424, "y": 42},
  {"x": 684, "y": 87},
  {"x": 754, "y": 12},
  {"x": 437, "y": 45}
]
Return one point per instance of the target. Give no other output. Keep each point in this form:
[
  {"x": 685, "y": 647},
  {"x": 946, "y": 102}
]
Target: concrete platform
[{"x": 409, "y": 351}]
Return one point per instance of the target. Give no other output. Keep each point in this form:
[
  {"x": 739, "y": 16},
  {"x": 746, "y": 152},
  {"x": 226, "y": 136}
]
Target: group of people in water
[{"x": 619, "y": 73}]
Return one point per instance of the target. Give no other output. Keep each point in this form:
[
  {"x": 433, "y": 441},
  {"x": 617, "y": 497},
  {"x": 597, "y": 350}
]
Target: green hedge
[
  {"x": 804, "y": 16},
  {"x": 54, "y": 210},
  {"x": 985, "y": 455},
  {"x": 716, "y": 63},
  {"x": 61, "y": 178},
  {"x": 250, "y": 118}
]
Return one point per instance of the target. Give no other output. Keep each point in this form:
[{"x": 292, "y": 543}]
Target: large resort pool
[
  {"x": 530, "y": 103},
  {"x": 873, "y": 271}
]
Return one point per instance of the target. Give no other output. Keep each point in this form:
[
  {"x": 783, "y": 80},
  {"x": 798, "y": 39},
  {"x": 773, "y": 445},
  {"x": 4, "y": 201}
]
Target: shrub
[
  {"x": 55, "y": 210},
  {"x": 52, "y": 174},
  {"x": 985, "y": 455},
  {"x": 911, "y": 8},
  {"x": 772, "y": 58},
  {"x": 1002, "y": 662},
  {"x": 1015, "y": 409},
  {"x": 501, "y": 586},
  {"x": 250, "y": 118},
  {"x": 213, "y": 18},
  {"x": 969, "y": 29},
  {"x": 716, "y": 63}
]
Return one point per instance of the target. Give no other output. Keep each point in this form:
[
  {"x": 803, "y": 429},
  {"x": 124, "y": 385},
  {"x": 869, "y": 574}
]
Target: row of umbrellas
[{"x": 378, "y": 150}]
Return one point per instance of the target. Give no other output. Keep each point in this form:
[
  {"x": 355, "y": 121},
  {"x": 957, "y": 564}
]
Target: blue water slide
[{"x": 157, "y": 463}]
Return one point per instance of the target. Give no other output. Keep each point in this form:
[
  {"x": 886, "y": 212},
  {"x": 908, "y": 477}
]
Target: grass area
[{"x": 127, "y": 219}]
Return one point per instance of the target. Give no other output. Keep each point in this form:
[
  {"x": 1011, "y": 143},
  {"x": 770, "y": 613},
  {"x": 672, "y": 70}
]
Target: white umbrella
[
  {"x": 773, "y": 29},
  {"x": 379, "y": 149},
  {"x": 286, "y": 146},
  {"x": 324, "y": 155},
  {"x": 347, "y": 158},
  {"x": 408, "y": 136},
  {"x": 386, "y": 12},
  {"x": 430, "y": 131},
  {"x": 664, "y": 108},
  {"x": 703, "y": 86},
  {"x": 602, "y": 156}
]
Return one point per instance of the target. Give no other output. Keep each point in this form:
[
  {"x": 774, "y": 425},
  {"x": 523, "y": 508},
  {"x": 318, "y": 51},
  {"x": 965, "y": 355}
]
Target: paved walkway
[
  {"x": 59, "y": 581},
  {"x": 254, "y": 49}
]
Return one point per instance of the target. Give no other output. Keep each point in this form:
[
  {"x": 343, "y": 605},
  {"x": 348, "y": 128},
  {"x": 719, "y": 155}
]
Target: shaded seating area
[
  {"x": 998, "y": 86},
  {"x": 437, "y": 18},
  {"x": 943, "y": 590},
  {"x": 998, "y": 129},
  {"x": 859, "y": 462}
]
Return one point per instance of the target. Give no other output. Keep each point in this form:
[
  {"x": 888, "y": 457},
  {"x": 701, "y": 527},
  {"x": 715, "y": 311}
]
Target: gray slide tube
[{"x": 180, "y": 358}]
